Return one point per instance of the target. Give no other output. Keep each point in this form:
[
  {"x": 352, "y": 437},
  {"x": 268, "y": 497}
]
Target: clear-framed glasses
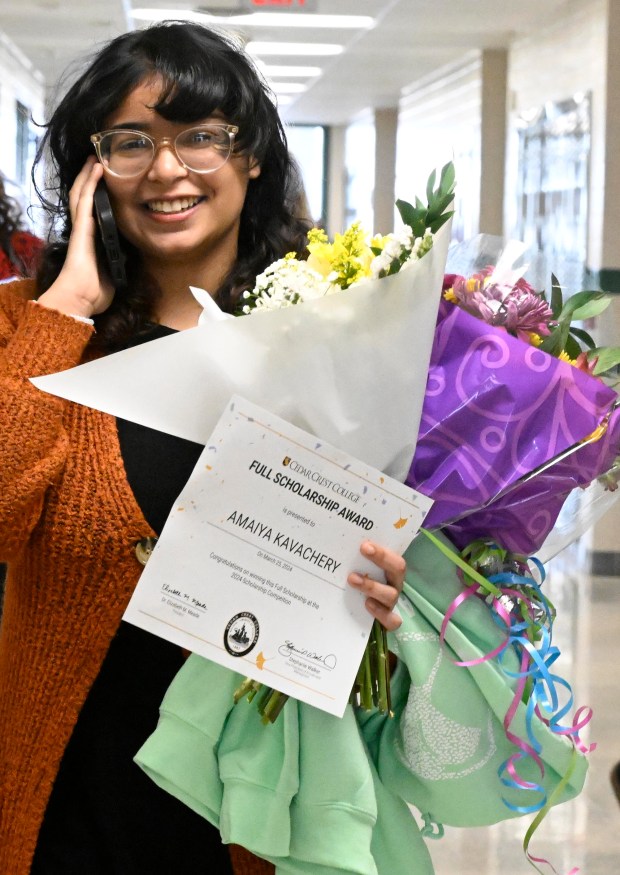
[{"x": 202, "y": 149}]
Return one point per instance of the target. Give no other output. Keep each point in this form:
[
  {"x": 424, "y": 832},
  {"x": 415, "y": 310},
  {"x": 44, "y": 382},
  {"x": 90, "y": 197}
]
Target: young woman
[{"x": 188, "y": 142}]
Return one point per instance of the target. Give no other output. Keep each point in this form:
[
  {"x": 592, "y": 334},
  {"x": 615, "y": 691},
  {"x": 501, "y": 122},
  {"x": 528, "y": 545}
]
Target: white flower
[
  {"x": 284, "y": 283},
  {"x": 393, "y": 247},
  {"x": 379, "y": 265},
  {"x": 400, "y": 251},
  {"x": 289, "y": 281}
]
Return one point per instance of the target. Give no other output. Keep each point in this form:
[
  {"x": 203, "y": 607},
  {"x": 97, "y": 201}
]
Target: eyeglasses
[{"x": 202, "y": 149}]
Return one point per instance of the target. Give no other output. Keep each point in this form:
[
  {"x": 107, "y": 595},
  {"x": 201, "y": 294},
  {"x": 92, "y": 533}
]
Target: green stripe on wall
[
  {"x": 605, "y": 564},
  {"x": 607, "y": 279}
]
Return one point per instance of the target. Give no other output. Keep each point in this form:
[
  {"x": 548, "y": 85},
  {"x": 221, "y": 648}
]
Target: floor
[{"x": 584, "y": 833}]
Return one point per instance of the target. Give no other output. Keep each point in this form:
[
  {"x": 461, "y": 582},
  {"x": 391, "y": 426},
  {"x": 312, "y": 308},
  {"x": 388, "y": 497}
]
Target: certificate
[{"x": 251, "y": 567}]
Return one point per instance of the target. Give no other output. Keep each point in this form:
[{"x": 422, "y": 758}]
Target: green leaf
[
  {"x": 407, "y": 213},
  {"x": 571, "y": 347},
  {"x": 555, "y": 342},
  {"x": 430, "y": 186},
  {"x": 437, "y": 223},
  {"x": 437, "y": 208},
  {"x": 557, "y": 301},
  {"x": 431, "y": 215},
  {"x": 448, "y": 177},
  {"x": 586, "y": 304},
  {"x": 583, "y": 336},
  {"x": 592, "y": 308},
  {"x": 608, "y": 358}
]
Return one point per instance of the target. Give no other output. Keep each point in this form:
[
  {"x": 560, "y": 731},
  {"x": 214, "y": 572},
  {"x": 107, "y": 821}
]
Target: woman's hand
[
  {"x": 381, "y": 598},
  {"x": 80, "y": 289}
]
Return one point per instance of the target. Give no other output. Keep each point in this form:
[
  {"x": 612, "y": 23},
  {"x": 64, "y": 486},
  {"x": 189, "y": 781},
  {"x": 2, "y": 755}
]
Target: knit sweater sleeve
[{"x": 34, "y": 340}]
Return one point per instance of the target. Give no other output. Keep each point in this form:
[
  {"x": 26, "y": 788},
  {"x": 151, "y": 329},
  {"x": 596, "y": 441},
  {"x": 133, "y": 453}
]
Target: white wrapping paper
[{"x": 350, "y": 368}]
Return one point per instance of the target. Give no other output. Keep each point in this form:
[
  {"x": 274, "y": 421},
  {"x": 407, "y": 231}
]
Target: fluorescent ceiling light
[
  {"x": 288, "y": 87},
  {"x": 172, "y": 15},
  {"x": 258, "y": 19},
  {"x": 284, "y": 48},
  {"x": 271, "y": 70},
  {"x": 297, "y": 19}
]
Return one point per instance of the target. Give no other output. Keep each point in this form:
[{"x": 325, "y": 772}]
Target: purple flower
[{"x": 519, "y": 309}]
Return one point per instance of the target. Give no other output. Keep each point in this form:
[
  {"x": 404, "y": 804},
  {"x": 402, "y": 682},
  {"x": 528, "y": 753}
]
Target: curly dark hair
[
  {"x": 10, "y": 218},
  {"x": 202, "y": 70}
]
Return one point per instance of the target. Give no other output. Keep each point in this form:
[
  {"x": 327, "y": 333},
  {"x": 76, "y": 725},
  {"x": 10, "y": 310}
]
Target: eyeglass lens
[{"x": 203, "y": 149}]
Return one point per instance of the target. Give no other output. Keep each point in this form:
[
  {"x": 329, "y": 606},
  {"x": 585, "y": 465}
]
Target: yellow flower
[
  {"x": 320, "y": 258},
  {"x": 344, "y": 261},
  {"x": 564, "y": 357},
  {"x": 317, "y": 235},
  {"x": 379, "y": 241},
  {"x": 449, "y": 295},
  {"x": 535, "y": 339}
]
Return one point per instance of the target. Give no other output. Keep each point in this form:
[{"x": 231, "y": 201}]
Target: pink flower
[{"x": 519, "y": 309}]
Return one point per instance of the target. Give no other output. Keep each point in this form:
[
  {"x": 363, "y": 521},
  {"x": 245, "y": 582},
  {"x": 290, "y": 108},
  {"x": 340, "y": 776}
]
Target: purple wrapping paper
[{"x": 495, "y": 410}]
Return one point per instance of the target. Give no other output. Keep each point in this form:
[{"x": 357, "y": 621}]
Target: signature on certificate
[{"x": 289, "y": 649}]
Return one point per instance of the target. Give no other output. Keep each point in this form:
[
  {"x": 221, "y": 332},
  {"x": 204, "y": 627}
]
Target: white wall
[
  {"x": 359, "y": 162},
  {"x": 19, "y": 81},
  {"x": 440, "y": 121},
  {"x": 555, "y": 64}
]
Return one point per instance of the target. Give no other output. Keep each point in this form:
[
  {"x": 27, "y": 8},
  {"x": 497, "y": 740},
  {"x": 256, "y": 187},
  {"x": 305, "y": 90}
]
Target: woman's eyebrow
[{"x": 133, "y": 126}]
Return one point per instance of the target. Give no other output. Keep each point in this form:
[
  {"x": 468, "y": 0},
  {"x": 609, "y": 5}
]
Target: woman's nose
[{"x": 166, "y": 164}]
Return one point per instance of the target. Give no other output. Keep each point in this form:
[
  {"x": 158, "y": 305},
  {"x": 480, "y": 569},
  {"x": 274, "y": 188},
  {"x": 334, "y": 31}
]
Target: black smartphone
[{"x": 114, "y": 255}]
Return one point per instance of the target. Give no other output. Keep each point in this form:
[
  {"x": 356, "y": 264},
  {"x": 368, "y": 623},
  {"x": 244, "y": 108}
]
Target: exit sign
[{"x": 288, "y": 5}]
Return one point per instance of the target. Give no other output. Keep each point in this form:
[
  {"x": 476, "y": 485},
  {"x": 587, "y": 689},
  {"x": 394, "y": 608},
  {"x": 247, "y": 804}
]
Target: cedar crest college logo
[{"x": 241, "y": 634}]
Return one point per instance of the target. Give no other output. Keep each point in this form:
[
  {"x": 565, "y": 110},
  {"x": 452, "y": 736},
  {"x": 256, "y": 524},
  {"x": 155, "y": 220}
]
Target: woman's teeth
[{"x": 176, "y": 206}]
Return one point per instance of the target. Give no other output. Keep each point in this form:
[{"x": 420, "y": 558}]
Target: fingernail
[
  {"x": 356, "y": 579},
  {"x": 368, "y": 549}
]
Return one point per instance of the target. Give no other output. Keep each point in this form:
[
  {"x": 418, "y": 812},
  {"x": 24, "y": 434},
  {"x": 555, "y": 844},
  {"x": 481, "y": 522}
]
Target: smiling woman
[
  {"x": 195, "y": 162},
  {"x": 203, "y": 192},
  {"x": 158, "y": 94},
  {"x": 177, "y": 202}
]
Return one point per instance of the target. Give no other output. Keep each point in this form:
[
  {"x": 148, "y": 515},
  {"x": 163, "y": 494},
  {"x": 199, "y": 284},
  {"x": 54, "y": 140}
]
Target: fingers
[
  {"x": 381, "y": 597},
  {"x": 83, "y": 190},
  {"x": 82, "y": 241},
  {"x": 80, "y": 288}
]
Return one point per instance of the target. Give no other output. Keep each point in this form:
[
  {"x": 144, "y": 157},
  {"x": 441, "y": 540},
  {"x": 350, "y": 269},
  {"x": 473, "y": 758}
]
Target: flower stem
[
  {"x": 370, "y": 690},
  {"x": 382, "y": 668},
  {"x": 366, "y": 692},
  {"x": 248, "y": 687},
  {"x": 274, "y": 705}
]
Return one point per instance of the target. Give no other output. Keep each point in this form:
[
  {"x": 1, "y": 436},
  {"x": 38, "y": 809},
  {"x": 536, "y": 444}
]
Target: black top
[{"x": 105, "y": 816}]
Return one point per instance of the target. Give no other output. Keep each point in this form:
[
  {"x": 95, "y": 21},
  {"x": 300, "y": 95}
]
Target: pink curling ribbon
[{"x": 543, "y": 700}]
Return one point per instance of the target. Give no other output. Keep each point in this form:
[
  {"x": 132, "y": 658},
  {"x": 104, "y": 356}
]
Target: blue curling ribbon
[
  {"x": 536, "y": 660},
  {"x": 543, "y": 700}
]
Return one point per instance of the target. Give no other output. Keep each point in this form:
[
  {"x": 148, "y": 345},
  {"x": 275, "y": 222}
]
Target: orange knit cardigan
[{"x": 68, "y": 525}]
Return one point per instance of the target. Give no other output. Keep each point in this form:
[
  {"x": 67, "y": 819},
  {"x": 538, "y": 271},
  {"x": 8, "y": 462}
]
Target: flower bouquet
[
  {"x": 516, "y": 413},
  {"x": 515, "y": 417}
]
